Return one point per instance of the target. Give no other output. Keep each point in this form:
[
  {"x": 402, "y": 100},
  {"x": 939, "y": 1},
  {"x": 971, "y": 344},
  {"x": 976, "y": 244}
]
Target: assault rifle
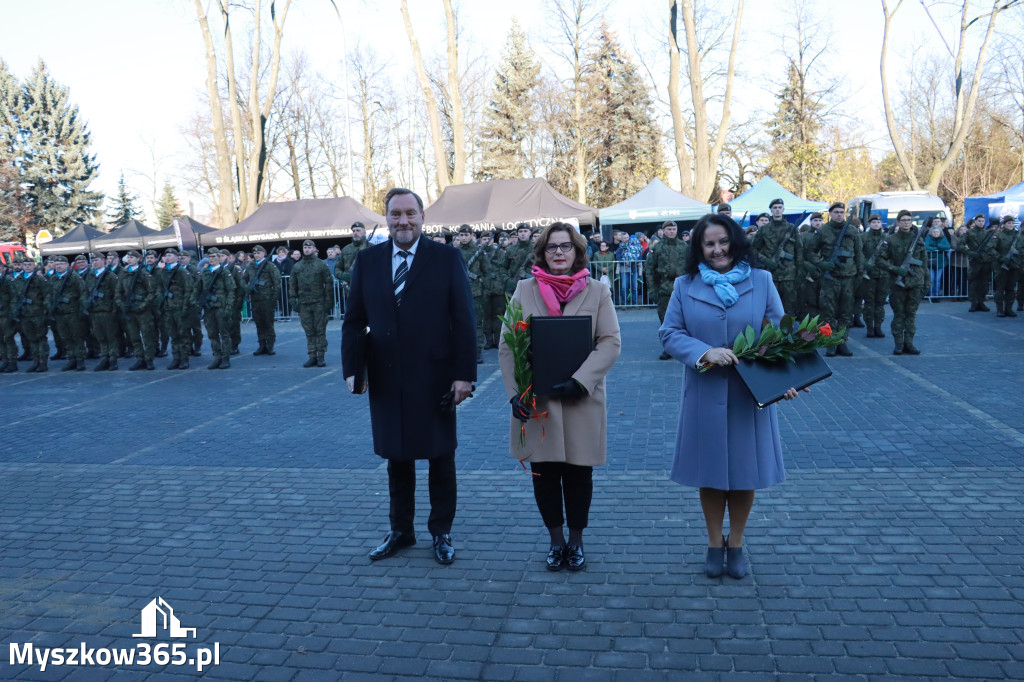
[
  {"x": 126, "y": 304},
  {"x": 58, "y": 297},
  {"x": 23, "y": 301},
  {"x": 95, "y": 294},
  {"x": 206, "y": 297},
  {"x": 1012, "y": 252},
  {"x": 166, "y": 294},
  {"x": 837, "y": 250},
  {"x": 521, "y": 272},
  {"x": 781, "y": 253},
  {"x": 981, "y": 247},
  {"x": 256, "y": 281},
  {"x": 874, "y": 256},
  {"x": 477, "y": 254},
  {"x": 909, "y": 259}
]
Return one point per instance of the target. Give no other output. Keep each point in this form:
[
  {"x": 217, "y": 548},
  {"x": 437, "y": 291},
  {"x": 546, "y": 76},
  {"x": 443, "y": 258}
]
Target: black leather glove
[
  {"x": 827, "y": 266},
  {"x": 520, "y": 410},
  {"x": 568, "y": 390}
]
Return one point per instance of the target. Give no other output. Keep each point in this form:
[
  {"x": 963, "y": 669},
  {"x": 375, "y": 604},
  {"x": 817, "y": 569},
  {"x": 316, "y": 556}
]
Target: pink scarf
[{"x": 556, "y": 289}]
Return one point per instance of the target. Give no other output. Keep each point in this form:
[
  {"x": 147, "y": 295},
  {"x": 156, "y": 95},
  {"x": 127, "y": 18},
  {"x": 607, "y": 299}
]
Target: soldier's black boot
[
  {"x": 842, "y": 350},
  {"x": 830, "y": 352},
  {"x": 983, "y": 308},
  {"x": 897, "y": 348},
  {"x": 879, "y": 334},
  {"x": 137, "y": 365},
  {"x": 269, "y": 350},
  {"x": 113, "y": 365},
  {"x": 871, "y": 331},
  {"x": 56, "y": 355},
  {"x": 908, "y": 346},
  {"x": 71, "y": 366},
  {"x": 857, "y": 322},
  {"x": 183, "y": 364},
  {"x": 975, "y": 308},
  {"x": 235, "y": 351},
  {"x": 33, "y": 367},
  {"x": 3, "y": 367},
  {"x": 215, "y": 364},
  {"x": 320, "y": 362},
  {"x": 81, "y": 365},
  {"x": 1009, "y": 309},
  {"x": 225, "y": 362},
  {"x": 479, "y": 357},
  {"x": 150, "y": 365},
  {"x": 175, "y": 364},
  {"x": 262, "y": 350},
  {"x": 104, "y": 364},
  {"x": 162, "y": 352},
  {"x": 24, "y": 356},
  {"x": 195, "y": 352},
  {"x": 311, "y": 362},
  {"x": 11, "y": 367},
  {"x": 42, "y": 368}
]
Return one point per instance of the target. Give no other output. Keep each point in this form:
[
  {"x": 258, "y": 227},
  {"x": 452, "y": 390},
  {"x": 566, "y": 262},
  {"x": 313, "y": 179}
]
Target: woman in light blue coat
[{"x": 726, "y": 446}]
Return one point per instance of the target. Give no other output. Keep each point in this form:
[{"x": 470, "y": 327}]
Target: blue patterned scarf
[{"x": 723, "y": 284}]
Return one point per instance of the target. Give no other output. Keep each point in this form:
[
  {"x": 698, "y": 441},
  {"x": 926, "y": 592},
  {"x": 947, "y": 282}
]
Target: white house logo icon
[{"x": 170, "y": 621}]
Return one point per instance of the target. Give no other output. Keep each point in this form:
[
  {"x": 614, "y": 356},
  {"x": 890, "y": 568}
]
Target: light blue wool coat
[{"x": 724, "y": 440}]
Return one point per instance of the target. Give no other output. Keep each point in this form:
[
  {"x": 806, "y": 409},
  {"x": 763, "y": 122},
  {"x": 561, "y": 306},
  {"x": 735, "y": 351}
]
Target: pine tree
[
  {"x": 52, "y": 153},
  {"x": 794, "y": 154},
  {"x": 122, "y": 207},
  {"x": 626, "y": 141},
  {"x": 509, "y": 119},
  {"x": 10, "y": 114},
  {"x": 167, "y": 208}
]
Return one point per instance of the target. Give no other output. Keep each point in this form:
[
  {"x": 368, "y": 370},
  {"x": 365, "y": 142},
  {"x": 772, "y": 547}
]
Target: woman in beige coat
[{"x": 564, "y": 448}]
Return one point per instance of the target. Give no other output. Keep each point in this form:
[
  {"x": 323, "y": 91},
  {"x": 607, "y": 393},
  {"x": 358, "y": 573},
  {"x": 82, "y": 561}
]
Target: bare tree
[
  {"x": 708, "y": 140},
  {"x": 965, "y": 95}
]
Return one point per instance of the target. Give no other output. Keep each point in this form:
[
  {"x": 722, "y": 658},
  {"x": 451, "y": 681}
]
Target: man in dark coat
[{"x": 419, "y": 358}]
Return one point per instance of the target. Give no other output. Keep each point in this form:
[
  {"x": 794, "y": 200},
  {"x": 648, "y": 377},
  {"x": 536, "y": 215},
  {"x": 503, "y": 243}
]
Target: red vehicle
[{"x": 7, "y": 251}]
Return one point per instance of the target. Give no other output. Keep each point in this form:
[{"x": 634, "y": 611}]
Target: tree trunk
[
  {"x": 236, "y": 114},
  {"x": 678, "y": 121},
  {"x": 225, "y": 190},
  {"x": 440, "y": 159},
  {"x": 454, "y": 94},
  {"x": 293, "y": 165},
  {"x": 258, "y": 152}
]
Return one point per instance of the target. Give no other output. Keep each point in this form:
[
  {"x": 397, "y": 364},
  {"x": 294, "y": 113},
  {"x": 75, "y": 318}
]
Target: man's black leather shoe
[
  {"x": 574, "y": 558},
  {"x": 444, "y": 553},
  {"x": 556, "y": 558},
  {"x": 394, "y": 541}
]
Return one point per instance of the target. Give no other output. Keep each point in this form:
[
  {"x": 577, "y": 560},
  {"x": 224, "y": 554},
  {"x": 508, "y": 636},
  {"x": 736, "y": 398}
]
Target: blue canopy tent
[
  {"x": 655, "y": 203},
  {"x": 756, "y": 199},
  {"x": 975, "y": 205}
]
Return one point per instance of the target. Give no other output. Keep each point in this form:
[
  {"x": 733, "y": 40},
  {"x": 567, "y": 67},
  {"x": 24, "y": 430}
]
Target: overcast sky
[{"x": 135, "y": 67}]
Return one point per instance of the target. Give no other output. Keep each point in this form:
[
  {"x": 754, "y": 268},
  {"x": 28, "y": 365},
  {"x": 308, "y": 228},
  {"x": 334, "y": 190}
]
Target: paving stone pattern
[{"x": 248, "y": 499}]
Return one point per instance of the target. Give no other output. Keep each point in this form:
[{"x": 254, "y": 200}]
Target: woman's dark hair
[
  {"x": 579, "y": 245},
  {"x": 739, "y": 248}
]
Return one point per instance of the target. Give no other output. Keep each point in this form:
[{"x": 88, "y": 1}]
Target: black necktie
[{"x": 400, "y": 274}]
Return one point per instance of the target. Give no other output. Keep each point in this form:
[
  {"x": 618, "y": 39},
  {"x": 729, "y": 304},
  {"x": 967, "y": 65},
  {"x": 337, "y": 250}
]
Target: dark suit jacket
[{"x": 413, "y": 352}]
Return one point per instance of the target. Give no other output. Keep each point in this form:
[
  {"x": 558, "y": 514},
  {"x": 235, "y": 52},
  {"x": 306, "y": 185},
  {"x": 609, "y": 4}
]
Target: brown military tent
[
  {"x": 304, "y": 219},
  {"x": 501, "y": 204}
]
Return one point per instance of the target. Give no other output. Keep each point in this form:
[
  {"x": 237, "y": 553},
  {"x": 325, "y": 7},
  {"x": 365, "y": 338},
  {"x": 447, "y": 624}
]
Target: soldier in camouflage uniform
[
  {"x": 66, "y": 299},
  {"x": 311, "y": 293},
  {"x": 344, "y": 263},
  {"x": 235, "y": 266},
  {"x": 874, "y": 286},
  {"x": 187, "y": 260},
  {"x": 101, "y": 309},
  {"x": 30, "y": 314},
  {"x": 665, "y": 262},
  {"x": 159, "y": 276},
  {"x": 809, "y": 289},
  {"x": 135, "y": 294},
  {"x": 838, "y": 276},
  {"x": 911, "y": 280},
  {"x": 476, "y": 264},
  {"x": 215, "y": 295},
  {"x": 979, "y": 245},
  {"x": 80, "y": 269},
  {"x": 177, "y": 294},
  {"x": 8, "y": 300},
  {"x": 494, "y": 292},
  {"x": 1007, "y": 266},
  {"x": 59, "y": 342},
  {"x": 519, "y": 258},
  {"x": 263, "y": 282},
  {"x": 778, "y": 247}
]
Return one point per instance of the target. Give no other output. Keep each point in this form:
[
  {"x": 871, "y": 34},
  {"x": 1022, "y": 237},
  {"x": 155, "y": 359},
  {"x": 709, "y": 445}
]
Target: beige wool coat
[{"x": 574, "y": 431}]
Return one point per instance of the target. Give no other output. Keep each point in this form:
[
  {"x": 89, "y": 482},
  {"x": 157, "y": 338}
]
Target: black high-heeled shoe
[
  {"x": 575, "y": 561},
  {"x": 556, "y": 558},
  {"x": 714, "y": 560}
]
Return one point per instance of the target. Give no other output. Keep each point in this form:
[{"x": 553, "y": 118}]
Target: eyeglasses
[{"x": 564, "y": 247}]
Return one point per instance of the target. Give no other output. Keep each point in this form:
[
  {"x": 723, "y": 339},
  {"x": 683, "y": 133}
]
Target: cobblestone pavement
[{"x": 248, "y": 499}]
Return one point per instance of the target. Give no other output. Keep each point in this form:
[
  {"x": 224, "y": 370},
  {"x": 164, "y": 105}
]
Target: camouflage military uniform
[
  {"x": 263, "y": 281},
  {"x": 135, "y": 294},
  {"x": 476, "y": 263},
  {"x": 665, "y": 262},
  {"x": 1007, "y": 269},
  {"x": 786, "y": 268},
  {"x": 32, "y": 311},
  {"x": 979, "y": 245},
  {"x": 8, "y": 300},
  {"x": 519, "y": 259},
  {"x": 163, "y": 330},
  {"x": 343, "y": 265},
  {"x": 179, "y": 300},
  {"x": 837, "y": 279},
  {"x": 310, "y": 291},
  {"x": 915, "y": 280},
  {"x": 236, "y": 307},
  {"x": 494, "y": 294},
  {"x": 194, "y": 316},
  {"x": 101, "y": 305},
  {"x": 67, "y": 297},
  {"x": 809, "y": 284},
  {"x": 216, "y": 295},
  {"x": 874, "y": 286}
]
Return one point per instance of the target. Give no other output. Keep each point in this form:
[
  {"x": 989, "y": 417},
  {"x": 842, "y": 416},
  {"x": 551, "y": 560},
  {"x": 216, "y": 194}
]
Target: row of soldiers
[{"x": 92, "y": 305}]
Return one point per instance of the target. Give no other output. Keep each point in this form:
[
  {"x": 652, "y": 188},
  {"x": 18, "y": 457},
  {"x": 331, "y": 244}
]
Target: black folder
[
  {"x": 768, "y": 380},
  {"x": 558, "y": 346}
]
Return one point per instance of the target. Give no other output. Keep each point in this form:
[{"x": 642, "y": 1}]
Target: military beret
[
  {"x": 150, "y": 252},
  {"x": 873, "y": 217},
  {"x": 212, "y": 251},
  {"x": 835, "y": 205},
  {"x": 1007, "y": 219},
  {"x": 980, "y": 215},
  {"x": 777, "y": 201},
  {"x": 135, "y": 253},
  {"x": 173, "y": 251},
  {"x": 111, "y": 254},
  {"x": 258, "y": 249},
  {"x": 81, "y": 259},
  {"x": 724, "y": 207},
  {"x": 60, "y": 259},
  {"x": 522, "y": 226},
  {"x": 358, "y": 224},
  {"x": 464, "y": 229},
  {"x": 96, "y": 256},
  {"x": 189, "y": 252},
  {"x": 19, "y": 258},
  {"x": 309, "y": 242},
  {"x": 817, "y": 216}
]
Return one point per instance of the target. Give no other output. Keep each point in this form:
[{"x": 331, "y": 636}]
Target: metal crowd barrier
[{"x": 284, "y": 308}]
